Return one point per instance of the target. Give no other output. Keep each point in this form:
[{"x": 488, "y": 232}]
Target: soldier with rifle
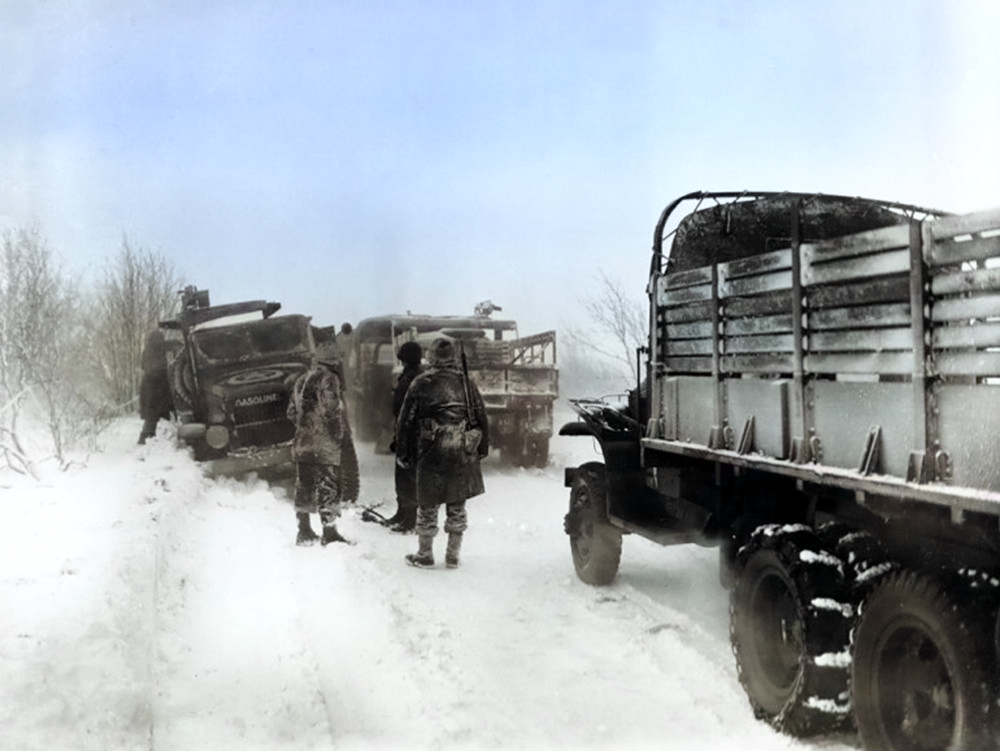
[{"x": 442, "y": 432}]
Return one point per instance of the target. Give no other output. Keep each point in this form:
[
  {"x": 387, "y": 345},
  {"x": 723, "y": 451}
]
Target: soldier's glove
[
  {"x": 392, "y": 447},
  {"x": 403, "y": 463}
]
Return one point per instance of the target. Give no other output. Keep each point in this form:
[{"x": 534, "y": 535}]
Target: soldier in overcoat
[
  {"x": 155, "y": 402},
  {"x": 405, "y": 518},
  {"x": 442, "y": 431},
  {"x": 322, "y": 450}
]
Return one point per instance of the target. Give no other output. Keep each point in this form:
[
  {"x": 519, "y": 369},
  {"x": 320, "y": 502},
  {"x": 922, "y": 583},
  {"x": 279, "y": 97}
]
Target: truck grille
[{"x": 262, "y": 424}]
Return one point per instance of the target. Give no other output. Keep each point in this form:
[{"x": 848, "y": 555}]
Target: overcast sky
[{"x": 358, "y": 158}]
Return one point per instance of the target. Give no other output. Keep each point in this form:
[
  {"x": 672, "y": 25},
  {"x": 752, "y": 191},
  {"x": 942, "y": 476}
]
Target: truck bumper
[{"x": 252, "y": 460}]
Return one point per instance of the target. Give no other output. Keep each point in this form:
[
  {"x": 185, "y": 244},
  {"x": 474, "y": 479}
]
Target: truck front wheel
[
  {"x": 789, "y": 629},
  {"x": 920, "y": 678},
  {"x": 595, "y": 543}
]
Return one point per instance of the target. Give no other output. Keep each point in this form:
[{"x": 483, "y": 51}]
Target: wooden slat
[
  {"x": 861, "y": 340},
  {"x": 894, "y": 289},
  {"x": 760, "y": 363},
  {"x": 694, "y": 330},
  {"x": 696, "y": 311},
  {"x": 976, "y": 280},
  {"x": 896, "y": 236},
  {"x": 743, "y": 307},
  {"x": 758, "y": 325},
  {"x": 684, "y": 295},
  {"x": 966, "y": 308},
  {"x": 753, "y": 285},
  {"x": 762, "y": 343},
  {"x": 877, "y": 363},
  {"x": 684, "y": 347},
  {"x": 967, "y": 363},
  {"x": 688, "y": 364},
  {"x": 690, "y": 278},
  {"x": 976, "y": 249},
  {"x": 765, "y": 262},
  {"x": 959, "y": 337},
  {"x": 860, "y": 267},
  {"x": 965, "y": 224},
  {"x": 860, "y": 316}
]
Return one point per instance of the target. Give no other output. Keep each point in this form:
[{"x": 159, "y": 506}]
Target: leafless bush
[
  {"x": 40, "y": 346},
  {"x": 616, "y": 328},
  {"x": 139, "y": 289}
]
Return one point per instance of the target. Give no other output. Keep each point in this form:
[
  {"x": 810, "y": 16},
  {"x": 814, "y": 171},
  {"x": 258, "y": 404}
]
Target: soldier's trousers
[
  {"x": 318, "y": 489},
  {"x": 455, "y": 518},
  {"x": 406, "y": 487}
]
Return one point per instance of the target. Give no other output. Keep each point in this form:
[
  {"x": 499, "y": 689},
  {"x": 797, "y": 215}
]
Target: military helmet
[{"x": 410, "y": 354}]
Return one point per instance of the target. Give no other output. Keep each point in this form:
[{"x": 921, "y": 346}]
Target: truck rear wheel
[
  {"x": 595, "y": 543},
  {"x": 538, "y": 453},
  {"x": 922, "y": 663},
  {"x": 789, "y": 630},
  {"x": 512, "y": 450}
]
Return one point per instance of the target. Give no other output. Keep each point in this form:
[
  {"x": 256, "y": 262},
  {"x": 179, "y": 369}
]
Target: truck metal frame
[
  {"x": 517, "y": 378},
  {"x": 822, "y": 401}
]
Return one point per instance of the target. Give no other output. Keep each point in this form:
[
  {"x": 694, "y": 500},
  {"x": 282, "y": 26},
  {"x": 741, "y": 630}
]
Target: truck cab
[{"x": 231, "y": 378}]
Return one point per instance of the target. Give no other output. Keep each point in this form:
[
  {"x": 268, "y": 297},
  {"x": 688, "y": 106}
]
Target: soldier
[
  {"x": 405, "y": 518},
  {"x": 155, "y": 402},
  {"x": 443, "y": 433},
  {"x": 322, "y": 449}
]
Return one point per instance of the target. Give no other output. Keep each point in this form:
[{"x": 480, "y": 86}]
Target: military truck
[
  {"x": 517, "y": 377},
  {"x": 820, "y": 398},
  {"x": 230, "y": 379}
]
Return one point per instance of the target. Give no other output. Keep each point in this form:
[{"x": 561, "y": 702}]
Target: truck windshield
[{"x": 252, "y": 340}]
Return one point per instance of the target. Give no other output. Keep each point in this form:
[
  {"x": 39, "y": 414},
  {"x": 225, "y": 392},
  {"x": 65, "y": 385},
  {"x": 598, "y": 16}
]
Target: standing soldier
[
  {"x": 322, "y": 449},
  {"x": 443, "y": 433},
  {"x": 155, "y": 402},
  {"x": 405, "y": 518}
]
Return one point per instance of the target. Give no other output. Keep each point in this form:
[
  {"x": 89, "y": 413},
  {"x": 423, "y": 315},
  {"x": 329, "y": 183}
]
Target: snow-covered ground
[{"x": 147, "y": 606}]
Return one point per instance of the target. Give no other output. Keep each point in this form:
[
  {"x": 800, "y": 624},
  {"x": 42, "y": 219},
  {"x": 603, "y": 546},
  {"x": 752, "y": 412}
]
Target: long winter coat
[
  {"x": 155, "y": 402},
  {"x": 316, "y": 409},
  {"x": 429, "y": 436}
]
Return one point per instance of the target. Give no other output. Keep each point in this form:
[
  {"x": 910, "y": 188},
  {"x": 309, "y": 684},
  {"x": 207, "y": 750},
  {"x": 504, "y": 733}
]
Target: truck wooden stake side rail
[{"x": 821, "y": 400}]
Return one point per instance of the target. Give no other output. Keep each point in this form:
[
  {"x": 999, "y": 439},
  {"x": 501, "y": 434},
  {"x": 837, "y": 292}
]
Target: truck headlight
[{"x": 217, "y": 436}]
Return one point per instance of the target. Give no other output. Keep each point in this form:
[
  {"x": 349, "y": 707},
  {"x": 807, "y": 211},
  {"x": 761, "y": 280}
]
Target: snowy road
[{"x": 192, "y": 621}]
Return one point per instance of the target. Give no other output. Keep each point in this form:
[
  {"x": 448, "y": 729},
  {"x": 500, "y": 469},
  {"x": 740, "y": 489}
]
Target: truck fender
[{"x": 579, "y": 427}]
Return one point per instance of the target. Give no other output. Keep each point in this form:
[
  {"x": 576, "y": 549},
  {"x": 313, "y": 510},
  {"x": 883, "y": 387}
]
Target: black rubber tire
[
  {"x": 512, "y": 450},
  {"x": 922, "y": 670},
  {"x": 181, "y": 383},
  {"x": 595, "y": 543},
  {"x": 538, "y": 453},
  {"x": 350, "y": 474},
  {"x": 790, "y": 629}
]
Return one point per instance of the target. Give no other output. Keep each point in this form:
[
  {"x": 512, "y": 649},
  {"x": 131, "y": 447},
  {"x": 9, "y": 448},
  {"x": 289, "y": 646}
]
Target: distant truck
[
  {"x": 517, "y": 377},
  {"x": 230, "y": 372},
  {"x": 821, "y": 400}
]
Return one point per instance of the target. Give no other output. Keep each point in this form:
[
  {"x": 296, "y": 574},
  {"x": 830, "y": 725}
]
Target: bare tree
[
  {"x": 138, "y": 290},
  {"x": 39, "y": 346},
  {"x": 617, "y": 325}
]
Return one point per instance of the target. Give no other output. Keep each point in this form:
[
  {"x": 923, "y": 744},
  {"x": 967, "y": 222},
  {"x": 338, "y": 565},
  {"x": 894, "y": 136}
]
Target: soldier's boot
[
  {"x": 331, "y": 534},
  {"x": 424, "y": 557},
  {"x": 454, "y": 546},
  {"x": 407, "y": 521},
  {"x": 306, "y": 535}
]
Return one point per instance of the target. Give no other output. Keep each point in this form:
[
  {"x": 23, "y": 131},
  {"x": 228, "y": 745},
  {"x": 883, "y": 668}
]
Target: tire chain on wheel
[
  {"x": 819, "y": 700},
  {"x": 963, "y": 618}
]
